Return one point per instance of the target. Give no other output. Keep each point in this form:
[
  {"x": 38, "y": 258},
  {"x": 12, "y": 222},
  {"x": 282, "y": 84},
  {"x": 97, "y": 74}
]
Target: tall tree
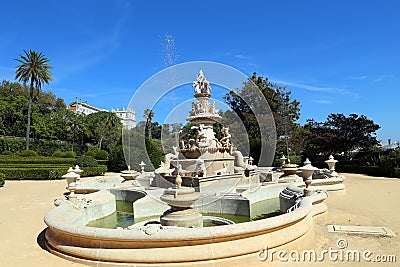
[
  {"x": 149, "y": 114},
  {"x": 285, "y": 110},
  {"x": 104, "y": 129},
  {"x": 33, "y": 69},
  {"x": 353, "y": 132},
  {"x": 339, "y": 134}
]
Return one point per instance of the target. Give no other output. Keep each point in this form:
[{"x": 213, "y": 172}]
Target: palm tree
[
  {"x": 35, "y": 70},
  {"x": 148, "y": 114}
]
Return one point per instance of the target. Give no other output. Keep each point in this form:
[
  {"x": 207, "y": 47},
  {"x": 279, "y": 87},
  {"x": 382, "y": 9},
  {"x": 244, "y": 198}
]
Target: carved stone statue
[
  {"x": 165, "y": 167},
  {"x": 226, "y": 140},
  {"x": 212, "y": 109},
  {"x": 201, "y": 85}
]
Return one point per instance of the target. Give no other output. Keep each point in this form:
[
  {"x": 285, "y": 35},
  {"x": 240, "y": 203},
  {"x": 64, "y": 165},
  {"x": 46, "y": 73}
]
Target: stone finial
[
  {"x": 307, "y": 162},
  {"x": 283, "y": 160},
  {"x": 178, "y": 181},
  {"x": 142, "y": 164},
  {"x": 77, "y": 170}
]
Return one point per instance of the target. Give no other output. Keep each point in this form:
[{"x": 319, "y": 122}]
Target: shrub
[
  {"x": 381, "y": 171},
  {"x": 58, "y": 154},
  {"x": 116, "y": 161},
  {"x": 2, "y": 179},
  {"x": 13, "y": 145},
  {"x": 90, "y": 154},
  {"x": 102, "y": 162},
  {"x": 86, "y": 161},
  {"x": 94, "y": 171},
  {"x": 101, "y": 155},
  {"x": 92, "y": 150},
  {"x": 154, "y": 151},
  {"x": 5, "y": 160},
  {"x": 28, "y": 153},
  {"x": 69, "y": 154},
  {"x": 7, "y": 153},
  {"x": 41, "y": 173},
  {"x": 42, "y": 147}
]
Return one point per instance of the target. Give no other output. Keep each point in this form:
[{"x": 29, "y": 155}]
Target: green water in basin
[{"x": 123, "y": 217}]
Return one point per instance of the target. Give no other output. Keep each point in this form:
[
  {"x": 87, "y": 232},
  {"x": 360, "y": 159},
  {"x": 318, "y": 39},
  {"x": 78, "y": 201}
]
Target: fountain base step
[{"x": 188, "y": 218}]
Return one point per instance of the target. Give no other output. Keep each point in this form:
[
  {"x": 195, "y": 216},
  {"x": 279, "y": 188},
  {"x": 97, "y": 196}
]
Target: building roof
[{"x": 390, "y": 146}]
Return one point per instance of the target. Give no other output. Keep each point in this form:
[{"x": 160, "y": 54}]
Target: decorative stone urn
[
  {"x": 71, "y": 178},
  {"x": 331, "y": 165},
  {"x": 307, "y": 171},
  {"x": 78, "y": 171},
  {"x": 283, "y": 160},
  {"x": 289, "y": 172},
  {"x": 181, "y": 214}
]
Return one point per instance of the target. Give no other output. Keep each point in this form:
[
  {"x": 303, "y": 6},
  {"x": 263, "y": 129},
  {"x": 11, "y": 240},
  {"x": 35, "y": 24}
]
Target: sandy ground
[{"x": 367, "y": 201}]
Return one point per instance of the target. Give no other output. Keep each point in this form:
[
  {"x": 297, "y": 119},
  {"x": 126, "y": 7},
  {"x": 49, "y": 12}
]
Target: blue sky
[{"x": 335, "y": 56}]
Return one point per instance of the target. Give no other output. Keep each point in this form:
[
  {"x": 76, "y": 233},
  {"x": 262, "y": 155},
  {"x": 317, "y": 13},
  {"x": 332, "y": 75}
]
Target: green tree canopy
[
  {"x": 285, "y": 110},
  {"x": 339, "y": 135}
]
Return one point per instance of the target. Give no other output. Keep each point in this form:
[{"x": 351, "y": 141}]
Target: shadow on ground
[{"x": 41, "y": 239}]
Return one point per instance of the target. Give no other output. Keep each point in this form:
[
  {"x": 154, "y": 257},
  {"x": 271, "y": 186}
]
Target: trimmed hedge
[
  {"x": 6, "y": 153},
  {"x": 102, "y": 162},
  {"x": 28, "y": 165},
  {"x": 42, "y": 173},
  {"x": 93, "y": 171},
  {"x": 2, "y": 179},
  {"x": 28, "y": 153},
  {"x": 36, "y": 160},
  {"x": 67, "y": 154},
  {"x": 58, "y": 154},
  {"x": 86, "y": 161},
  {"x": 42, "y": 147},
  {"x": 47, "y": 173},
  {"x": 101, "y": 155},
  {"x": 381, "y": 171}
]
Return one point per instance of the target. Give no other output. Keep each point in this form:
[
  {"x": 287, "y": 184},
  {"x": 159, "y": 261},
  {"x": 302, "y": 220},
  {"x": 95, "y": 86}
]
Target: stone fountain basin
[
  {"x": 182, "y": 197},
  {"x": 152, "y": 245},
  {"x": 290, "y": 169}
]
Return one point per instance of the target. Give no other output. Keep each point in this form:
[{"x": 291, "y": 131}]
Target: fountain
[
  {"x": 289, "y": 171},
  {"x": 202, "y": 176},
  {"x": 180, "y": 214},
  {"x": 206, "y": 162},
  {"x": 129, "y": 174}
]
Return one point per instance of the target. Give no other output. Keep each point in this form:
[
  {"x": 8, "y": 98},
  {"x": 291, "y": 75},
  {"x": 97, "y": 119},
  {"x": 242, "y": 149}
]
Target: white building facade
[
  {"x": 127, "y": 116},
  {"x": 83, "y": 108}
]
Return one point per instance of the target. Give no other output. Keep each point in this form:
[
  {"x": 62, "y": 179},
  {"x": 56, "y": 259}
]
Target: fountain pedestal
[
  {"x": 289, "y": 173},
  {"x": 331, "y": 165},
  {"x": 71, "y": 178},
  {"x": 307, "y": 170},
  {"x": 181, "y": 214}
]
